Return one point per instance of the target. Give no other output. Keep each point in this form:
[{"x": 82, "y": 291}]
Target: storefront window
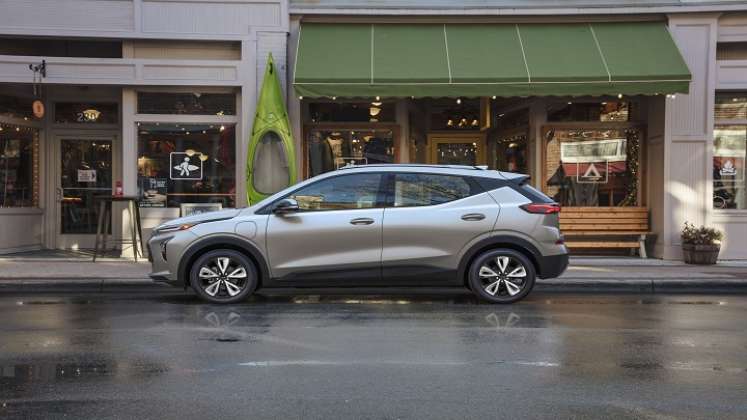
[
  {"x": 729, "y": 155},
  {"x": 730, "y": 151},
  {"x": 589, "y": 111},
  {"x": 19, "y": 166},
  {"x": 331, "y": 149},
  {"x": 191, "y": 103},
  {"x": 376, "y": 111},
  {"x": 16, "y": 107},
  {"x": 186, "y": 163},
  {"x": 511, "y": 154},
  {"x": 86, "y": 113},
  {"x": 731, "y": 106},
  {"x": 460, "y": 114},
  {"x": 594, "y": 167}
]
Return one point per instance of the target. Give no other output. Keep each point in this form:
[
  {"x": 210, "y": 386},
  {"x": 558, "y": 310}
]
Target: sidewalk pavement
[{"x": 585, "y": 274}]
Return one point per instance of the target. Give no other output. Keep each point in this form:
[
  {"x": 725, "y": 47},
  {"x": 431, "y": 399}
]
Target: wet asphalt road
[{"x": 399, "y": 355}]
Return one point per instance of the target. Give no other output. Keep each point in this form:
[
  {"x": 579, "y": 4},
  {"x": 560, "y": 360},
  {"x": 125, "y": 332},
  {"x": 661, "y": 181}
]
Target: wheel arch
[
  {"x": 222, "y": 242},
  {"x": 494, "y": 242}
]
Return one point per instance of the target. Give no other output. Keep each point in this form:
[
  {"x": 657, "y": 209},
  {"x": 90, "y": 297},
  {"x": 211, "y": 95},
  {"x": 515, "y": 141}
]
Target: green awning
[{"x": 471, "y": 60}]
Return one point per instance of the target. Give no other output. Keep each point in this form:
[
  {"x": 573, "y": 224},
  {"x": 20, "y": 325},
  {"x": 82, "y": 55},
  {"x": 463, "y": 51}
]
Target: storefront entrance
[
  {"x": 83, "y": 171},
  {"x": 457, "y": 149}
]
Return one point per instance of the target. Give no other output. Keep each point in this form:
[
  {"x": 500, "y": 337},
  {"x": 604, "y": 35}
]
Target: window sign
[
  {"x": 153, "y": 192},
  {"x": 87, "y": 175},
  {"x": 186, "y": 165}
]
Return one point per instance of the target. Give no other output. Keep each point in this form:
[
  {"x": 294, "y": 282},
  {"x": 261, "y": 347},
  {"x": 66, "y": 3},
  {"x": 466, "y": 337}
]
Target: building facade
[
  {"x": 679, "y": 153},
  {"x": 129, "y": 89},
  {"x": 132, "y": 88}
]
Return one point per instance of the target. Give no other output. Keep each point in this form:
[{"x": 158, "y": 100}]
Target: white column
[{"x": 688, "y": 139}]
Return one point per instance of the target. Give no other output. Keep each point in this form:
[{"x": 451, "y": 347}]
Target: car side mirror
[{"x": 284, "y": 206}]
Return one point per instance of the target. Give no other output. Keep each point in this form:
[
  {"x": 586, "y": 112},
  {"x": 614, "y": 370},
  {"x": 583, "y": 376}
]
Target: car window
[
  {"x": 358, "y": 191},
  {"x": 412, "y": 190}
]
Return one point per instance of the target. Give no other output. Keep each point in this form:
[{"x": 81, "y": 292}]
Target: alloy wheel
[
  {"x": 223, "y": 277},
  {"x": 503, "y": 276}
]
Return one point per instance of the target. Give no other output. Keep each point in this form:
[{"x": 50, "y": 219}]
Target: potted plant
[{"x": 700, "y": 245}]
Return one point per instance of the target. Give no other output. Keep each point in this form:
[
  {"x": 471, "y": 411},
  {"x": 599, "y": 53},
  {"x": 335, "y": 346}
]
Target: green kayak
[{"x": 271, "y": 159}]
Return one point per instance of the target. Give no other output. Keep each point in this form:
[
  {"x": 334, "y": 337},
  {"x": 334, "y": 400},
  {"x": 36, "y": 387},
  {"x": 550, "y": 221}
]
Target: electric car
[{"x": 372, "y": 225}]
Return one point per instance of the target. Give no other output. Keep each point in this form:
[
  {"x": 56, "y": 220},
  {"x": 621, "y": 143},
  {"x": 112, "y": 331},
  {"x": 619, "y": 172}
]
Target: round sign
[{"x": 38, "y": 108}]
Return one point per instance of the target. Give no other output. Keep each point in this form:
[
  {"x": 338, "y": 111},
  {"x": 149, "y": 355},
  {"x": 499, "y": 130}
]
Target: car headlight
[{"x": 176, "y": 228}]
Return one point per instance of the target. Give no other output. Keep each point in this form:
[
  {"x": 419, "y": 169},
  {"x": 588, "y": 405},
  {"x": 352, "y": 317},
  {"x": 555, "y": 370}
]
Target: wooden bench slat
[
  {"x": 605, "y": 209},
  {"x": 606, "y": 233},
  {"x": 600, "y": 227},
  {"x": 602, "y": 244},
  {"x": 615, "y": 221}
]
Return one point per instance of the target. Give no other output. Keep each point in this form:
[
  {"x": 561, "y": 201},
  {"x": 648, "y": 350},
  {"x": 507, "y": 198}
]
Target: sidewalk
[{"x": 45, "y": 272}]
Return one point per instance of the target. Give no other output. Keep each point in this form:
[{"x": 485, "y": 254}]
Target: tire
[
  {"x": 501, "y": 276},
  {"x": 217, "y": 276}
]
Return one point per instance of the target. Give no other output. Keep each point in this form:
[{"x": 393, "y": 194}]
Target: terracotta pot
[{"x": 700, "y": 254}]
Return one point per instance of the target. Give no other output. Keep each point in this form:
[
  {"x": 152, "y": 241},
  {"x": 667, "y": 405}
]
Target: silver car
[{"x": 373, "y": 225}]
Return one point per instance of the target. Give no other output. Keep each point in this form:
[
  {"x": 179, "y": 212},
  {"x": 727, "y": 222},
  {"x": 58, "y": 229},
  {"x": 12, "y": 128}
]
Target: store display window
[
  {"x": 189, "y": 103},
  {"x": 604, "y": 111},
  {"x": 730, "y": 151},
  {"x": 186, "y": 163},
  {"x": 375, "y": 111},
  {"x": 330, "y": 149},
  {"x": 593, "y": 167},
  {"x": 19, "y": 166}
]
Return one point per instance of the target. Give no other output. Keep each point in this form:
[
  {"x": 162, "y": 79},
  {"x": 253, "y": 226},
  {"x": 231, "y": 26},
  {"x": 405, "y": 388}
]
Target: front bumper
[{"x": 552, "y": 266}]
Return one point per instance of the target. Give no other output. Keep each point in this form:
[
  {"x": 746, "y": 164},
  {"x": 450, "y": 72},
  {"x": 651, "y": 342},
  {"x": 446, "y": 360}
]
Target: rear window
[{"x": 534, "y": 194}]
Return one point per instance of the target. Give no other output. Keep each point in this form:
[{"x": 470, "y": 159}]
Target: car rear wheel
[
  {"x": 223, "y": 276},
  {"x": 501, "y": 276}
]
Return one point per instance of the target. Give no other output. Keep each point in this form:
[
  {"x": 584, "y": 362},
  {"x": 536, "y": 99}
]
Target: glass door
[
  {"x": 85, "y": 171},
  {"x": 457, "y": 149}
]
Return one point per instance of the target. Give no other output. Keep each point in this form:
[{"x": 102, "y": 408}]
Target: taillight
[{"x": 541, "y": 208}]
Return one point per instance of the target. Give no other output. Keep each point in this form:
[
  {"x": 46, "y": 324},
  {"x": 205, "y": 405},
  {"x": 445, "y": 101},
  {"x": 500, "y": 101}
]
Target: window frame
[{"x": 721, "y": 123}]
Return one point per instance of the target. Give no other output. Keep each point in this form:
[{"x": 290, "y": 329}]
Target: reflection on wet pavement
[{"x": 395, "y": 354}]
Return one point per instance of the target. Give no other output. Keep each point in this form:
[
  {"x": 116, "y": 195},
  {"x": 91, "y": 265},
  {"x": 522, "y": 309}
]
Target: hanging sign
[{"x": 37, "y": 107}]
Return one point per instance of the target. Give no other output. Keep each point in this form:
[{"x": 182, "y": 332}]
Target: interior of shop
[{"x": 583, "y": 152}]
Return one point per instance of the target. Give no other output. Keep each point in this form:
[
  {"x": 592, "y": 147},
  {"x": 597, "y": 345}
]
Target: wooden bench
[{"x": 605, "y": 227}]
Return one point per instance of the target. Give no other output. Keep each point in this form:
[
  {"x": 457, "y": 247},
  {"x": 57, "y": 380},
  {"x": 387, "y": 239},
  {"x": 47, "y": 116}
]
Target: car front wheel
[
  {"x": 501, "y": 276},
  {"x": 223, "y": 276}
]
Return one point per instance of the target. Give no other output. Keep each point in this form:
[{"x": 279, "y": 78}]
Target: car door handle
[
  {"x": 362, "y": 221},
  {"x": 473, "y": 217}
]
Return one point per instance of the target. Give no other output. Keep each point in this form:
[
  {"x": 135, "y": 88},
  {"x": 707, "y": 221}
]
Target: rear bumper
[{"x": 552, "y": 266}]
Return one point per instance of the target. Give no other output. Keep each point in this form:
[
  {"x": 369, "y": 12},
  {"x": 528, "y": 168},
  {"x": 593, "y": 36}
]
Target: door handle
[
  {"x": 473, "y": 217},
  {"x": 362, "y": 221}
]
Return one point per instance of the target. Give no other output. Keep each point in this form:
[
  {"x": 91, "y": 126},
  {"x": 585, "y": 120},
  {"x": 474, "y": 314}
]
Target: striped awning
[{"x": 471, "y": 60}]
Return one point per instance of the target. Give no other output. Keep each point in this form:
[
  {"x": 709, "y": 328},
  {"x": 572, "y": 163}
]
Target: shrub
[{"x": 700, "y": 235}]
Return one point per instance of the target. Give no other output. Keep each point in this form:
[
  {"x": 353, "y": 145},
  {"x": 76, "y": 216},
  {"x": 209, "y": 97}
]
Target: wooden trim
[
  {"x": 307, "y": 128},
  {"x": 478, "y": 137}
]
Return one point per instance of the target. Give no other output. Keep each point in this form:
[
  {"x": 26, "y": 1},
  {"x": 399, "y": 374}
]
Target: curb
[{"x": 564, "y": 285}]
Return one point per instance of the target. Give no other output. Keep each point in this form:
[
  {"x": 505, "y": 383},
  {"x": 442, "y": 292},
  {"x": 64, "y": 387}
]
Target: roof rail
[{"x": 415, "y": 165}]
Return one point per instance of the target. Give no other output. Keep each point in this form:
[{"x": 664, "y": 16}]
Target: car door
[
  {"x": 335, "y": 235},
  {"x": 429, "y": 219}
]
